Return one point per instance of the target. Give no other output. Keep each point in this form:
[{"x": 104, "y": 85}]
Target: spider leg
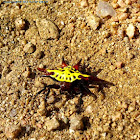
[
  {"x": 88, "y": 91},
  {"x": 45, "y": 71},
  {"x": 49, "y": 87},
  {"x": 80, "y": 102},
  {"x": 40, "y": 91}
]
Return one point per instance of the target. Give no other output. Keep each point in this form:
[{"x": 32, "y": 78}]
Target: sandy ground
[{"x": 38, "y": 35}]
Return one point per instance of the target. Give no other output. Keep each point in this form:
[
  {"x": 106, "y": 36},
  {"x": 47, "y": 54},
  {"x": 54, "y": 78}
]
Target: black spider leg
[
  {"x": 80, "y": 102},
  {"x": 40, "y": 91},
  {"x": 88, "y": 91},
  {"x": 83, "y": 87},
  {"x": 49, "y": 87}
]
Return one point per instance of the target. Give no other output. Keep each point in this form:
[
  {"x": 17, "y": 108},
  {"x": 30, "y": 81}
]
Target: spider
[{"x": 71, "y": 80}]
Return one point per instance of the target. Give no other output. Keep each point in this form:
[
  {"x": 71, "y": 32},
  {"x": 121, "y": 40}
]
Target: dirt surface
[{"x": 38, "y": 35}]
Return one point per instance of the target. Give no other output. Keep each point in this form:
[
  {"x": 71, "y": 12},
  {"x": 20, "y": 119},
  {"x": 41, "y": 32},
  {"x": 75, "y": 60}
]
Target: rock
[
  {"x": 84, "y": 3},
  {"x": 120, "y": 127},
  {"x": 50, "y": 99},
  {"x": 52, "y": 124},
  {"x": 93, "y": 21},
  {"x": 130, "y": 31},
  {"x": 106, "y": 34},
  {"x": 104, "y": 9},
  {"x": 38, "y": 54},
  {"x": 42, "y": 108},
  {"x": 112, "y": 67},
  {"x": 20, "y": 23},
  {"x": 89, "y": 109},
  {"x": 76, "y": 122},
  {"x": 29, "y": 48},
  {"x": 123, "y": 16},
  {"x": 131, "y": 108},
  {"x": 26, "y": 74},
  {"x": 120, "y": 33},
  {"x": 119, "y": 64},
  {"x": 117, "y": 116},
  {"x": 38, "y": 84},
  {"x": 121, "y": 3},
  {"x": 12, "y": 131},
  {"x": 47, "y": 29},
  {"x": 32, "y": 35},
  {"x": 128, "y": 2},
  {"x": 6, "y": 70},
  {"x": 13, "y": 113}
]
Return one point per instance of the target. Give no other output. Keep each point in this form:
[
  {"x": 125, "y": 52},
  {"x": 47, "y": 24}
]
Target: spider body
[{"x": 70, "y": 78}]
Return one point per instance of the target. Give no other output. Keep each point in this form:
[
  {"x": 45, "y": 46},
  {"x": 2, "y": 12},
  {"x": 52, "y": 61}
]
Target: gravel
[
  {"x": 114, "y": 114},
  {"x": 20, "y": 23},
  {"x": 47, "y": 29},
  {"x": 93, "y": 21},
  {"x": 104, "y": 9},
  {"x": 130, "y": 31},
  {"x": 12, "y": 131},
  {"x": 76, "y": 123},
  {"x": 52, "y": 124},
  {"x": 29, "y": 48}
]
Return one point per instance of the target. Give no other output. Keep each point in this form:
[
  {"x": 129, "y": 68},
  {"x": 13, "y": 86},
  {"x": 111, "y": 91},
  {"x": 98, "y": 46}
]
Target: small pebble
[
  {"x": 23, "y": 122},
  {"x": 138, "y": 119},
  {"x": 131, "y": 108},
  {"x": 93, "y": 21},
  {"x": 117, "y": 116},
  {"x": 124, "y": 105},
  {"x": 26, "y": 74},
  {"x": 41, "y": 66},
  {"x": 89, "y": 109},
  {"x": 47, "y": 29},
  {"x": 5, "y": 71},
  {"x": 52, "y": 124},
  {"x": 114, "y": 5},
  {"x": 120, "y": 127},
  {"x": 84, "y": 3},
  {"x": 119, "y": 64},
  {"x": 42, "y": 108},
  {"x": 130, "y": 31},
  {"x": 128, "y": 2},
  {"x": 12, "y": 131},
  {"x": 20, "y": 23},
  {"x": 123, "y": 16},
  {"x": 96, "y": 134},
  {"x": 50, "y": 99},
  {"x": 29, "y": 48},
  {"x": 106, "y": 34},
  {"x": 76, "y": 122},
  {"x": 13, "y": 113},
  {"x": 38, "y": 54},
  {"x": 121, "y": 3},
  {"x": 130, "y": 56},
  {"x": 112, "y": 67},
  {"x": 59, "y": 104},
  {"x": 38, "y": 84},
  {"x": 104, "y": 9},
  {"x": 32, "y": 35},
  {"x": 126, "y": 39}
]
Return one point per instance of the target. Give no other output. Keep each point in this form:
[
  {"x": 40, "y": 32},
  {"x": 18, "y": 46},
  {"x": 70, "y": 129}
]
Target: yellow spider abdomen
[{"x": 67, "y": 74}]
